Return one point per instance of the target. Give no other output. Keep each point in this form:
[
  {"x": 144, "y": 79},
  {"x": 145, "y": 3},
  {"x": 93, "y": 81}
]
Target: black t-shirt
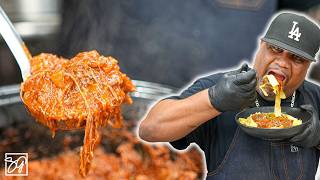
[{"x": 215, "y": 136}]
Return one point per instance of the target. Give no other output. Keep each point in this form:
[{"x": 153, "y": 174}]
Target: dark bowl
[{"x": 274, "y": 134}]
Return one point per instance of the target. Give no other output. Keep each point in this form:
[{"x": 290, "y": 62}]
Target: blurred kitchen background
[{"x": 168, "y": 41}]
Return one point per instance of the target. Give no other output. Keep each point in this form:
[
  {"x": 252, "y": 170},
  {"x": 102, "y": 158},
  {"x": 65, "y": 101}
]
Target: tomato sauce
[
  {"x": 269, "y": 120},
  {"x": 85, "y": 91}
]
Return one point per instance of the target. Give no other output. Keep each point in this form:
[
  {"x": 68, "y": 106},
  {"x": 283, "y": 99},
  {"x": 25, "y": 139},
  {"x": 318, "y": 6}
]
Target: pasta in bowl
[
  {"x": 294, "y": 120},
  {"x": 270, "y": 120}
]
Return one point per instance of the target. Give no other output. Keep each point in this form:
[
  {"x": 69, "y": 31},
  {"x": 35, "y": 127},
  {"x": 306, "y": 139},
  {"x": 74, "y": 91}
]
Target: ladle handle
[{"x": 15, "y": 43}]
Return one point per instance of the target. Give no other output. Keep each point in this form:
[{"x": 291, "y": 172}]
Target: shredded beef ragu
[
  {"x": 269, "y": 120},
  {"x": 120, "y": 155},
  {"x": 85, "y": 91}
]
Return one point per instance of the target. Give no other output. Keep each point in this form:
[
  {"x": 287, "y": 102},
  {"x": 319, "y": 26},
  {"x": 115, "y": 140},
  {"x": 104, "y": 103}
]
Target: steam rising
[{"x": 167, "y": 41}]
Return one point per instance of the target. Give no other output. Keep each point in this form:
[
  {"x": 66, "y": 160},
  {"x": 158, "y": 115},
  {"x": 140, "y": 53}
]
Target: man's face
[{"x": 285, "y": 66}]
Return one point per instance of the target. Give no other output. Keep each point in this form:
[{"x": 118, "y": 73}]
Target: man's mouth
[{"x": 280, "y": 76}]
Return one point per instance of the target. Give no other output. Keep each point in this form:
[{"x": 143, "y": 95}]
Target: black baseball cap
[{"x": 295, "y": 33}]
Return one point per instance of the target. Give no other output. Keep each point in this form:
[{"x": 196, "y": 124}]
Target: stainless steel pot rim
[
  {"x": 9, "y": 90},
  {"x": 153, "y": 85}
]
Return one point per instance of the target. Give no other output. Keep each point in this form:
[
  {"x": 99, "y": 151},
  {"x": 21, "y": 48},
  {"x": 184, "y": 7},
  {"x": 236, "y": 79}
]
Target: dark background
[{"x": 168, "y": 41}]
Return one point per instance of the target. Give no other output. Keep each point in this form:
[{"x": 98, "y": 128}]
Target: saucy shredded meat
[
  {"x": 85, "y": 91},
  {"x": 120, "y": 155},
  {"x": 269, "y": 120}
]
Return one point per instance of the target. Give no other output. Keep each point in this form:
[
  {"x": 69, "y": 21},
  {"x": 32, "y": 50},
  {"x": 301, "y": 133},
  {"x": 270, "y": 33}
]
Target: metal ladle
[
  {"x": 19, "y": 51},
  {"x": 15, "y": 43}
]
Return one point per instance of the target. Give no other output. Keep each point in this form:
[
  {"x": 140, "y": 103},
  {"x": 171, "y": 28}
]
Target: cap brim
[{"x": 291, "y": 49}]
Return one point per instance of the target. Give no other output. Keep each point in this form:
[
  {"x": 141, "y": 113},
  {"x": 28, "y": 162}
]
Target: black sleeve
[
  {"x": 297, "y": 4},
  {"x": 206, "y": 130},
  {"x": 200, "y": 136}
]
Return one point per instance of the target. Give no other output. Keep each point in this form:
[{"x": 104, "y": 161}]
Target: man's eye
[
  {"x": 297, "y": 59},
  {"x": 276, "y": 49}
]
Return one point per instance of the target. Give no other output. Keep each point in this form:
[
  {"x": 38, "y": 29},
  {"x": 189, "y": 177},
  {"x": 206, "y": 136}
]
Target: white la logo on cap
[{"x": 294, "y": 32}]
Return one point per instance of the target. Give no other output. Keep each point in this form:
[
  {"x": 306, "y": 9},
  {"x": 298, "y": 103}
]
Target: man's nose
[{"x": 284, "y": 59}]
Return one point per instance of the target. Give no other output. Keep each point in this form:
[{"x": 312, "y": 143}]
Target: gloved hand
[
  {"x": 310, "y": 136},
  {"x": 235, "y": 90}
]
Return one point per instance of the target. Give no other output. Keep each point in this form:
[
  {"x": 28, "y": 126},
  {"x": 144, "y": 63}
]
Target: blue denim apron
[{"x": 250, "y": 158}]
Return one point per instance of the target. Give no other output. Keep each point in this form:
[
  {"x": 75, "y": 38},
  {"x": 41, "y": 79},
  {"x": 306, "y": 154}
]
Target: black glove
[
  {"x": 310, "y": 136},
  {"x": 235, "y": 90}
]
